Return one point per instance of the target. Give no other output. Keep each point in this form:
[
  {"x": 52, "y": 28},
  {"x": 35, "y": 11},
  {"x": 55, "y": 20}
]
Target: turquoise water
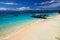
[
  {"x": 14, "y": 20},
  {"x": 22, "y": 17},
  {"x": 7, "y": 21}
]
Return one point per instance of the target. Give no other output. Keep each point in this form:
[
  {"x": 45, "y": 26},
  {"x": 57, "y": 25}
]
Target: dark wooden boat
[
  {"x": 59, "y": 12},
  {"x": 42, "y": 16}
]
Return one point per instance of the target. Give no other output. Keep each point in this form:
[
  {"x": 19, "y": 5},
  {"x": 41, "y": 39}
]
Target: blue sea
[{"x": 7, "y": 19}]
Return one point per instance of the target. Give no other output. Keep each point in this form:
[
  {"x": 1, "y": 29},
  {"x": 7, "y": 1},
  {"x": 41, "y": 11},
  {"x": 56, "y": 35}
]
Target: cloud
[
  {"x": 16, "y": 9},
  {"x": 51, "y": 4},
  {"x": 48, "y": 2},
  {"x": 4, "y": 9},
  {"x": 8, "y": 3},
  {"x": 24, "y": 8}
]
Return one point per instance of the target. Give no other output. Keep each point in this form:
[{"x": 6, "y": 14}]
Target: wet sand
[{"x": 48, "y": 29}]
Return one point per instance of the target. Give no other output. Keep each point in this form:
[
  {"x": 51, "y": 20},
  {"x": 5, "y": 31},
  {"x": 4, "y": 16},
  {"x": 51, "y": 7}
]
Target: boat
[
  {"x": 42, "y": 16},
  {"x": 59, "y": 12}
]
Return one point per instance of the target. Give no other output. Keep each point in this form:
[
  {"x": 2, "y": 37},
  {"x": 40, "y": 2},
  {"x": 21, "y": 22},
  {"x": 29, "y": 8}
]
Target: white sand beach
[{"x": 48, "y": 29}]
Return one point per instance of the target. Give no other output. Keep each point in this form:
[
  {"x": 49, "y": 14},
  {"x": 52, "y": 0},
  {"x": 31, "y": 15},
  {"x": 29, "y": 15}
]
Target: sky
[{"x": 29, "y": 4}]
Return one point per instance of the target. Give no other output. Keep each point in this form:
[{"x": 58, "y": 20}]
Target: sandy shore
[{"x": 47, "y": 29}]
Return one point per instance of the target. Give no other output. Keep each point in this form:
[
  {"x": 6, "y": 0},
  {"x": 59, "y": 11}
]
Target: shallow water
[{"x": 8, "y": 21}]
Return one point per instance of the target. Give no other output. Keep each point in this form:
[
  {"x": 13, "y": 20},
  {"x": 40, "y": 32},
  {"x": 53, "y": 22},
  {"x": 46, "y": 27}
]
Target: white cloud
[
  {"x": 52, "y": 1},
  {"x": 16, "y": 9},
  {"x": 3, "y": 8},
  {"x": 46, "y": 2},
  {"x": 52, "y": 4},
  {"x": 8, "y": 3},
  {"x": 24, "y": 8}
]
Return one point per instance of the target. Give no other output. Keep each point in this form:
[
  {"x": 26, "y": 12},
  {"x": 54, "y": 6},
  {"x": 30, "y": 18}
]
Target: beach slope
[{"x": 47, "y": 29}]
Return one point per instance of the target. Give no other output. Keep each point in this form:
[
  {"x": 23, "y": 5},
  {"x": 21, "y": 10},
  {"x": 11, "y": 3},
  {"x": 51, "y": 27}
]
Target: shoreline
[
  {"x": 29, "y": 28},
  {"x": 17, "y": 27}
]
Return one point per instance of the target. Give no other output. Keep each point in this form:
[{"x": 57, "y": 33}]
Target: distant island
[{"x": 30, "y": 11}]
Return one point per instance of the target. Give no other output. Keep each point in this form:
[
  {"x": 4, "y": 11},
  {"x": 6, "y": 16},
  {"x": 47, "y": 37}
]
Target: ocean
[{"x": 10, "y": 20}]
